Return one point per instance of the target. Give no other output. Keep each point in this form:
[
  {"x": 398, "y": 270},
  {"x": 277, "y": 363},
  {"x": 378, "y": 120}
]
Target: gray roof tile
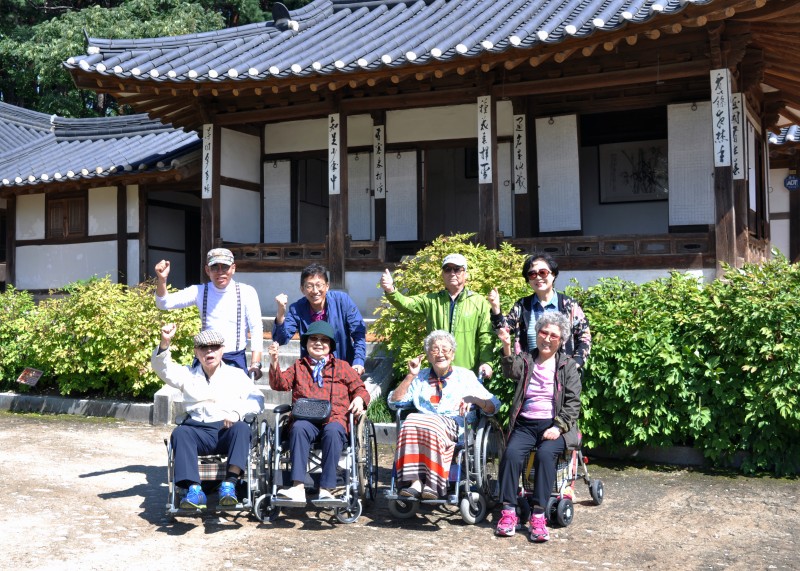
[
  {"x": 36, "y": 148},
  {"x": 352, "y": 35}
]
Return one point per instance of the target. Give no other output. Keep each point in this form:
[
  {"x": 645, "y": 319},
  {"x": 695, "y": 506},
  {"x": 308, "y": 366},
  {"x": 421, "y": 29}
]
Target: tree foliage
[{"x": 37, "y": 36}]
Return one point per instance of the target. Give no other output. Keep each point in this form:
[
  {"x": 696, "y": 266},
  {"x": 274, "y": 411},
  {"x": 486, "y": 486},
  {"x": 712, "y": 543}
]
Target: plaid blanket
[{"x": 425, "y": 450}]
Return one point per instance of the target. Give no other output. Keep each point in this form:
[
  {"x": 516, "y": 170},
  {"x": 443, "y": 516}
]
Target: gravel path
[{"x": 89, "y": 494}]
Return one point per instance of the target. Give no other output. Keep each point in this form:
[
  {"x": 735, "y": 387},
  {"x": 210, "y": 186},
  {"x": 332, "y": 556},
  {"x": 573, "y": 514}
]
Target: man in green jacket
[{"x": 456, "y": 309}]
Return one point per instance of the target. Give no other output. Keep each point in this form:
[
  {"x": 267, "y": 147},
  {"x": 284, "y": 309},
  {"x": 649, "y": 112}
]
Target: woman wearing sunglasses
[{"x": 541, "y": 271}]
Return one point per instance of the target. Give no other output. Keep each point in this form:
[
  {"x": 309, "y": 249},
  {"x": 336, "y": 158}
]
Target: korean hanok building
[{"x": 626, "y": 137}]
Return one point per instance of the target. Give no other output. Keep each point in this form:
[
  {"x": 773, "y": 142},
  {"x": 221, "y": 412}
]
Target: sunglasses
[
  {"x": 543, "y": 273},
  {"x": 219, "y": 268},
  {"x": 549, "y": 336},
  {"x": 452, "y": 269}
]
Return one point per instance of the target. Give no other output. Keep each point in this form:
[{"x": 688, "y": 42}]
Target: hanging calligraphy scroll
[
  {"x": 334, "y": 155},
  {"x": 379, "y": 161},
  {"x": 721, "y": 116},
  {"x": 484, "y": 139},
  {"x": 208, "y": 160}
]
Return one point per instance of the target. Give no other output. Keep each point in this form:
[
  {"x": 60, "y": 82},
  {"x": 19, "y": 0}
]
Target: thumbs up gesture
[{"x": 387, "y": 283}]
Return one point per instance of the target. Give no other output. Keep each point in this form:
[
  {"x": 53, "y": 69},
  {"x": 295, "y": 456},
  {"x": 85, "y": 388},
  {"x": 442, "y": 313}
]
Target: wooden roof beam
[
  {"x": 538, "y": 60},
  {"x": 562, "y": 56}
]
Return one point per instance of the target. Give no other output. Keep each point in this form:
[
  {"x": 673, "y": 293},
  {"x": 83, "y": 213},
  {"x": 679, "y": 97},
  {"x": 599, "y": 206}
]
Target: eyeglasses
[
  {"x": 547, "y": 336},
  {"x": 206, "y": 348},
  {"x": 315, "y": 286},
  {"x": 543, "y": 273},
  {"x": 219, "y": 268},
  {"x": 319, "y": 339},
  {"x": 441, "y": 350},
  {"x": 452, "y": 269}
]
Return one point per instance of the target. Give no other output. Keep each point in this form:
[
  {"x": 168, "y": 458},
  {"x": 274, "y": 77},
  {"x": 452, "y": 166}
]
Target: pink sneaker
[
  {"x": 538, "y": 528},
  {"x": 507, "y": 524}
]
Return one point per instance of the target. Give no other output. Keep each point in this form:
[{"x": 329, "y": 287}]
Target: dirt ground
[{"x": 89, "y": 494}]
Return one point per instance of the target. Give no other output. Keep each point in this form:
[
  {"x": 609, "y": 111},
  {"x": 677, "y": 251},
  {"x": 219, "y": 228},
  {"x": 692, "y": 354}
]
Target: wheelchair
[
  {"x": 473, "y": 482},
  {"x": 251, "y": 485},
  {"x": 357, "y": 472},
  {"x": 571, "y": 466}
]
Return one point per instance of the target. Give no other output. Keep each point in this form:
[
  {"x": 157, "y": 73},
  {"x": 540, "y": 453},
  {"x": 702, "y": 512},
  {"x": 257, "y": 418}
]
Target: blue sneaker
[
  {"x": 227, "y": 494},
  {"x": 194, "y": 498}
]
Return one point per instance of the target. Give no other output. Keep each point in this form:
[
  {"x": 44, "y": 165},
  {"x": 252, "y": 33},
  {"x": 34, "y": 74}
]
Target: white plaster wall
[
  {"x": 240, "y": 215},
  {"x": 132, "y": 208},
  {"x": 270, "y": 284},
  {"x": 240, "y": 156},
  {"x": 432, "y": 123},
  {"x": 588, "y": 278},
  {"x": 359, "y": 131},
  {"x": 45, "y": 267},
  {"x": 779, "y": 203},
  {"x": 102, "y": 211},
  {"x": 291, "y": 136},
  {"x": 132, "y": 271},
  {"x": 505, "y": 119},
  {"x": 30, "y": 217}
]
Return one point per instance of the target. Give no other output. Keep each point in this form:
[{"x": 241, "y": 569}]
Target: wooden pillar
[
  {"x": 337, "y": 197},
  {"x": 122, "y": 234},
  {"x": 379, "y": 172},
  {"x": 210, "y": 200},
  {"x": 144, "y": 271},
  {"x": 487, "y": 171},
  {"x": 794, "y": 218},
  {"x": 11, "y": 239},
  {"x": 725, "y": 223},
  {"x": 521, "y": 178}
]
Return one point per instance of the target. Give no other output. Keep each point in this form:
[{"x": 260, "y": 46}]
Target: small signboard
[
  {"x": 791, "y": 182},
  {"x": 29, "y": 377}
]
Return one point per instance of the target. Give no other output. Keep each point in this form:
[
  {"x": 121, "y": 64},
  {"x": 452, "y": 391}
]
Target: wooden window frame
[{"x": 74, "y": 200}]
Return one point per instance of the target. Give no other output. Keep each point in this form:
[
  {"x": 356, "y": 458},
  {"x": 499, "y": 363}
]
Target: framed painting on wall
[{"x": 634, "y": 171}]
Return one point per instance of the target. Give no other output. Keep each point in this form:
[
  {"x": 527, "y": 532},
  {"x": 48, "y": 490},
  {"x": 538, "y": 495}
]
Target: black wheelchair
[
  {"x": 473, "y": 482},
  {"x": 251, "y": 485},
  {"x": 357, "y": 472}
]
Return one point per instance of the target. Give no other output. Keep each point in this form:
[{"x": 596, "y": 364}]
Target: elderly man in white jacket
[{"x": 217, "y": 397}]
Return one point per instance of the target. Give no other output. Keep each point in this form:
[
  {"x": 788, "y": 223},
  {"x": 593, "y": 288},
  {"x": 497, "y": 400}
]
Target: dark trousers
[
  {"x": 526, "y": 436},
  {"x": 332, "y": 440},
  {"x": 192, "y": 439}
]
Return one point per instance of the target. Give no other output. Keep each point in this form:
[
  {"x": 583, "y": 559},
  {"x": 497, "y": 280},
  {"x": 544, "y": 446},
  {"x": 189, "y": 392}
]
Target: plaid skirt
[{"x": 425, "y": 450}]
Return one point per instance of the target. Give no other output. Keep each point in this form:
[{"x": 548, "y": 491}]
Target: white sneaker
[
  {"x": 294, "y": 494},
  {"x": 325, "y": 495}
]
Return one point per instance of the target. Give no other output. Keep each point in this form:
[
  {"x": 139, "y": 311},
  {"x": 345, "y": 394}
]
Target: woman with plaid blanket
[{"x": 442, "y": 395}]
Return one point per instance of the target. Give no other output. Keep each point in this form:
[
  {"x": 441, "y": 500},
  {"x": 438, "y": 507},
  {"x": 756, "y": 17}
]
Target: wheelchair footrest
[
  {"x": 286, "y": 503},
  {"x": 329, "y": 503}
]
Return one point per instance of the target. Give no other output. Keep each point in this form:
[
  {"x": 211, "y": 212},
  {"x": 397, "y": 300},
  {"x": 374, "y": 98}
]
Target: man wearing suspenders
[{"x": 225, "y": 305}]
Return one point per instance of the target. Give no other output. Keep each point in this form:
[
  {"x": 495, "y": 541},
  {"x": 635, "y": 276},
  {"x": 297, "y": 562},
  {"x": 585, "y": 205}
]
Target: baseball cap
[
  {"x": 219, "y": 256},
  {"x": 456, "y": 260}
]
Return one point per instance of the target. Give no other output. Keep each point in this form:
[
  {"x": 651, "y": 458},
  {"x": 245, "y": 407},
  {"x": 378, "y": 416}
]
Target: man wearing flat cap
[
  {"x": 217, "y": 396},
  {"x": 454, "y": 309},
  {"x": 225, "y": 305}
]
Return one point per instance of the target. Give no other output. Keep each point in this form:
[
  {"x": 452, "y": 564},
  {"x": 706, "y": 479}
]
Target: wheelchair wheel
[
  {"x": 367, "y": 461},
  {"x": 477, "y": 514},
  {"x": 351, "y": 513},
  {"x": 564, "y": 512},
  {"x": 597, "y": 491},
  {"x": 551, "y": 511},
  {"x": 263, "y": 511},
  {"x": 491, "y": 446},
  {"x": 402, "y": 509}
]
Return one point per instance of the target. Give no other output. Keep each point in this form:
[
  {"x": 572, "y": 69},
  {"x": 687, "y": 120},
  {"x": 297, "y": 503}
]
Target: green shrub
[
  {"x": 716, "y": 367},
  {"x": 15, "y": 332},
  {"x": 98, "y": 339},
  {"x": 403, "y": 333}
]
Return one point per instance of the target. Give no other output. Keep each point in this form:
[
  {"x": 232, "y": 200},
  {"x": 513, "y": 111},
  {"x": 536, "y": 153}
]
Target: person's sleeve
[
  {"x": 512, "y": 366},
  {"x": 252, "y": 399},
  {"x": 168, "y": 370},
  {"x": 355, "y": 386},
  {"x": 178, "y": 299},
  {"x": 358, "y": 332},
  {"x": 480, "y": 391},
  {"x": 571, "y": 409},
  {"x": 582, "y": 336},
  {"x": 406, "y": 401},
  {"x": 485, "y": 337},
  {"x": 510, "y": 321},
  {"x": 284, "y": 332},
  {"x": 281, "y": 381},
  {"x": 410, "y": 304},
  {"x": 254, "y": 323}
]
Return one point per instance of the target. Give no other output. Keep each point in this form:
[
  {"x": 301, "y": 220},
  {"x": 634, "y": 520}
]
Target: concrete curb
[{"x": 134, "y": 412}]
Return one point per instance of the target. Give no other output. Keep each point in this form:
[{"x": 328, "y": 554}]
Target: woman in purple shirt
[{"x": 543, "y": 416}]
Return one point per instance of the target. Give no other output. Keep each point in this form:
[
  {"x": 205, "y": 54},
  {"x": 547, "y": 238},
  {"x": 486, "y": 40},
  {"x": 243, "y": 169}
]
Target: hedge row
[{"x": 95, "y": 340}]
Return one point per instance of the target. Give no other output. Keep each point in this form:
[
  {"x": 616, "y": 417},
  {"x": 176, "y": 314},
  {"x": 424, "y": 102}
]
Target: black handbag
[{"x": 312, "y": 410}]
